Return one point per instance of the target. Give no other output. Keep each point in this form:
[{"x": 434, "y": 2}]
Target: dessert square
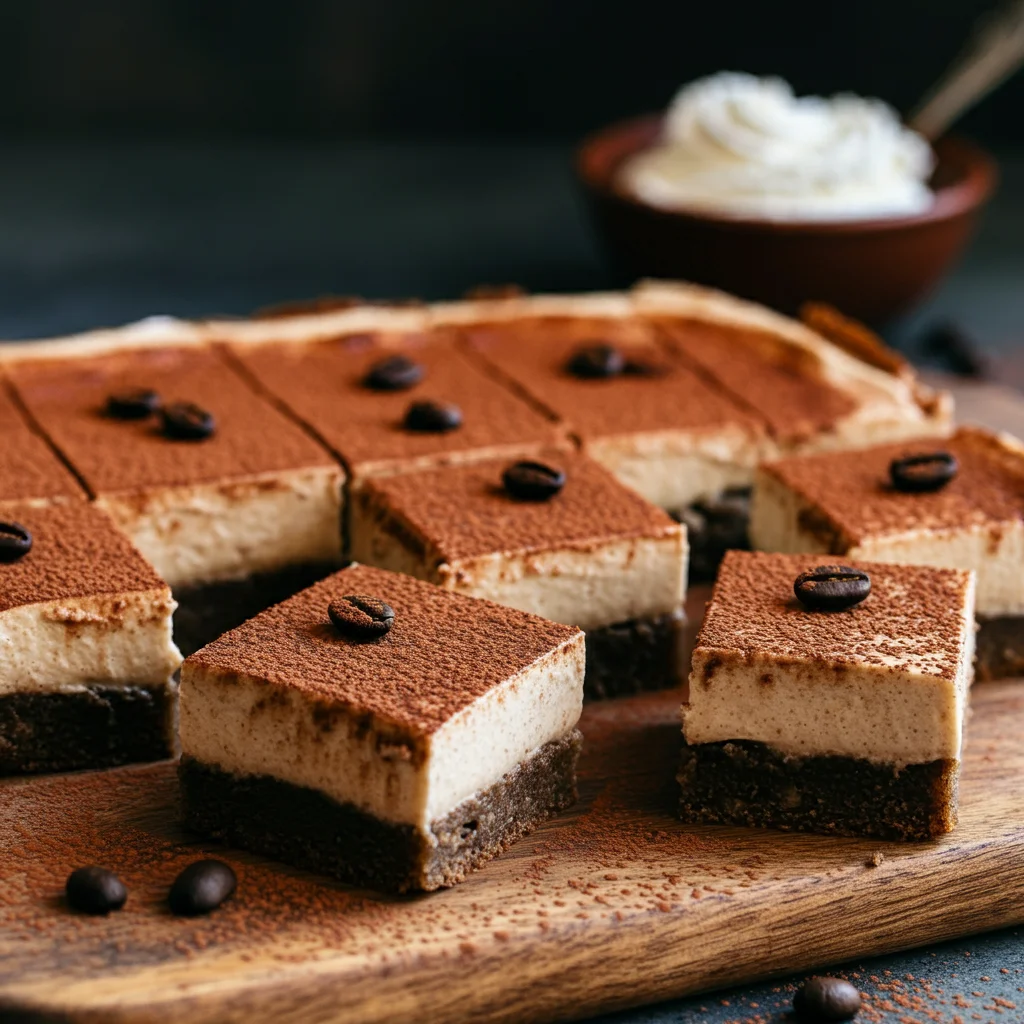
[
  {"x": 363, "y": 414},
  {"x": 847, "y": 722},
  {"x": 562, "y": 539},
  {"x": 398, "y": 758},
  {"x": 848, "y": 504},
  {"x": 253, "y": 497},
  {"x": 86, "y": 678}
]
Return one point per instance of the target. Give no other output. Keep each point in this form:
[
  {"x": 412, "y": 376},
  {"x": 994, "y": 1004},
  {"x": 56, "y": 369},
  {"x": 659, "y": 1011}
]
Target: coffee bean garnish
[
  {"x": 94, "y": 890},
  {"x": 927, "y": 471},
  {"x": 433, "y": 417},
  {"x": 136, "y": 404},
  {"x": 595, "y": 361},
  {"x": 360, "y": 616},
  {"x": 396, "y": 373},
  {"x": 15, "y": 542},
  {"x": 201, "y": 887},
  {"x": 832, "y": 588},
  {"x": 532, "y": 481},
  {"x": 184, "y": 421},
  {"x": 826, "y": 999}
]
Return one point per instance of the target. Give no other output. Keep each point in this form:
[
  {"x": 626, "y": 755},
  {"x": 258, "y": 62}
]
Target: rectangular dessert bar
[
  {"x": 398, "y": 758},
  {"x": 847, "y": 722}
]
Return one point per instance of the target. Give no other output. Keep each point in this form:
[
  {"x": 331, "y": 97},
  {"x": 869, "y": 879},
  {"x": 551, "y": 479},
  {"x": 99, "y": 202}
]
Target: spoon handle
[{"x": 994, "y": 53}]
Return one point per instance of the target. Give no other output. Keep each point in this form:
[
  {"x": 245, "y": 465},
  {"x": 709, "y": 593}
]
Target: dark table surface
[{"x": 99, "y": 234}]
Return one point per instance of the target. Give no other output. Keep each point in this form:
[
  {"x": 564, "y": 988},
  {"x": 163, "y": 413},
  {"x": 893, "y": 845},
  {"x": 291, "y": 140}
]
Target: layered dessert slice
[
  {"x": 841, "y": 711},
  {"x": 233, "y": 503},
  {"x": 382, "y": 730},
  {"x": 392, "y": 404},
  {"x": 86, "y": 678},
  {"x": 956, "y": 503},
  {"x": 559, "y": 537}
]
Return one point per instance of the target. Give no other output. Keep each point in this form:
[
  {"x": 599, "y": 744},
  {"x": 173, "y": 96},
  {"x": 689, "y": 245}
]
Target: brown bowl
[{"x": 870, "y": 269}]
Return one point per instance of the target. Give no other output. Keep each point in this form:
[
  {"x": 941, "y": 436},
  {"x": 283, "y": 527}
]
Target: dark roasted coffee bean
[
  {"x": 925, "y": 472},
  {"x": 826, "y": 999},
  {"x": 533, "y": 481},
  {"x": 184, "y": 421},
  {"x": 433, "y": 417},
  {"x": 361, "y": 617},
  {"x": 15, "y": 542},
  {"x": 133, "y": 405},
  {"x": 396, "y": 373},
  {"x": 597, "y": 360},
  {"x": 94, "y": 890},
  {"x": 832, "y": 588},
  {"x": 201, "y": 887}
]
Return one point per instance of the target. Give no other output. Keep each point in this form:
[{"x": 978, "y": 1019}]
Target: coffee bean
[
  {"x": 832, "y": 588},
  {"x": 361, "y": 617},
  {"x": 433, "y": 417},
  {"x": 928, "y": 471},
  {"x": 15, "y": 542},
  {"x": 201, "y": 887},
  {"x": 94, "y": 890},
  {"x": 396, "y": 373},
  {"x": 826, "y": 999},
  {"x": 136, "y": 404},
  {"x": 532, "y": 481},
  {"x": 597, "y": 360},
  {"x": 184, "y": 421}
]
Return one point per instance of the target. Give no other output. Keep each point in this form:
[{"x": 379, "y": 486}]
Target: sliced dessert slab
[
  {"x": 962, "y": 507},
  {"x": 86, "y": 678},
  {"x": 844, "y": 721},
  {"x": 382, "y": 730},
  {"x": 215, "y": 485},
  {"x": 414, "y": 403},
  {"x": 560, "y": 538}
]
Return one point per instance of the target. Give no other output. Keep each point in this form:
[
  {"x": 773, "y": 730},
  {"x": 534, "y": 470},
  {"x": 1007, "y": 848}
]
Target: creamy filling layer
[
  {"x": 111, "y": 640},
  {"x": 245, "y": 726},
  {"x": 212, "y": 532}
]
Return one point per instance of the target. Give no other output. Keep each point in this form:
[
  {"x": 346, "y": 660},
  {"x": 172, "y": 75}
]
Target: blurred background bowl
[{"x": 870, "y": 269}]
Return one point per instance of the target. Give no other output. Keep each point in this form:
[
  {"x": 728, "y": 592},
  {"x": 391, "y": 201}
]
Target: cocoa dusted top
[
  {"x": 781, "y": 383},
  {"x": 851, "y": 493},
  {"x": 252, "y": 437},
  {"x": 323, "y": 383},
  {"x": 912, "y": 621},
  {"x": 442, "y": 652},
  {"x": 77, "y": 551},
  {"x": 29, "y": 469},
  {"x": 536, "y": 352},
  {"x": 591, "y": 508}
]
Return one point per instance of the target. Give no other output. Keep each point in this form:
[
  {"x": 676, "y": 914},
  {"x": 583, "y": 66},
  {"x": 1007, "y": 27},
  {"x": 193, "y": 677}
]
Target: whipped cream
[{"x": 744, "y": 146}]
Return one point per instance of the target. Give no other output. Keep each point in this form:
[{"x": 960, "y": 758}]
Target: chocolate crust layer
[
  {"x": 1000, "y": 647},
  {"x": 740, "y": 782},
  {"x": 634, "y": 657},
  {"x": 303, "y": 827},
  {"x": 98, "y": 727}
]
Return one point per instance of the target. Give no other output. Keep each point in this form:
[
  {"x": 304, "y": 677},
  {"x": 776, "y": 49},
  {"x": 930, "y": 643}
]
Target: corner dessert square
[
  {"x": 86, "y": 678},
  {"x": 964, "y": 509},
  {"x": 847, "y": 722},
  {"x": 560, "y": 538},
  {"x": 400, "y": 757},
  {"x": 222, "y": 500}
]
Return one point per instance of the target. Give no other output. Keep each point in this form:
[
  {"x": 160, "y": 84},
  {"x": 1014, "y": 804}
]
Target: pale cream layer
[
  {"x": 112, "y": 640},
  {"x": 210, "y": 532},
  {"x": 995, "y": 552},
  {"x": 246, "y": 726},
  {"x": 881, "y": 713},
  {"x": 612, "y": 581}
]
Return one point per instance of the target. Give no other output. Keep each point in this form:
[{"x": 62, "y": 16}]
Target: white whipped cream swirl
[{"x": 744, "y": 146}]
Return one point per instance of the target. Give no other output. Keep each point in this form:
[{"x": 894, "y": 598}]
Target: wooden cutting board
[{"x": 613, "y": 904}]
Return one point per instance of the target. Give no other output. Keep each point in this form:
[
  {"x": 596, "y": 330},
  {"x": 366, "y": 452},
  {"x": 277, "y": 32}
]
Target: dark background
[{"x": 447, "y": 68}]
